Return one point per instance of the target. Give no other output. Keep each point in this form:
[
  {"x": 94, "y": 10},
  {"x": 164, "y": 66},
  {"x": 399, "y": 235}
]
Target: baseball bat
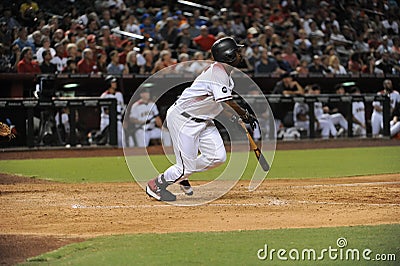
[{"x": 260, "y": 157}]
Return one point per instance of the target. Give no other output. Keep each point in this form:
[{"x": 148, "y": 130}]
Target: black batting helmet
[
  {"x": 224, "y": 50},
  {"x": 110, "y": 79}
]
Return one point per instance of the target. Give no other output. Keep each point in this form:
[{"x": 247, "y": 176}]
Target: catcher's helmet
[
  {"x": 110, "y": 79},
  {"x": 224, "y": 50}
]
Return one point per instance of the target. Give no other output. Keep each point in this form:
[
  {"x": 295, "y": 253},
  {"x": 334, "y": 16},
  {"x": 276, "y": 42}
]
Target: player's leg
[
  {"x": 394, "y": 128},
  {"x": 119, "y": 133},
  {"x": 212, "y": 150},
  {"x": 326, "y": 128},
  {"x": 185, "y": 138},
  {"x": 376, "y": 121},
  {"x": 140, "y": 138},
  {"x": 166, "y": 137},
  {"x": 338, "y": 119}
]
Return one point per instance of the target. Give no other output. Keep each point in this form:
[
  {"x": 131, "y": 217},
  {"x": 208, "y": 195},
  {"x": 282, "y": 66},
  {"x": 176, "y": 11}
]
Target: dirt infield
[{"x": 38, "y": 216}]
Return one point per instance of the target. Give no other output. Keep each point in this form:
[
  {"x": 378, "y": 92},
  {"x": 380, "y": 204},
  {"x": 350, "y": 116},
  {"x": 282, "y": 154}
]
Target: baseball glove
[{"x": 5, "y": 132}]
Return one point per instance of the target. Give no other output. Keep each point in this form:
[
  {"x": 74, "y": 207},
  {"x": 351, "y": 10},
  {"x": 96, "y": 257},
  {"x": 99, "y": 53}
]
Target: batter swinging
[{"x": 190, "y": 122}]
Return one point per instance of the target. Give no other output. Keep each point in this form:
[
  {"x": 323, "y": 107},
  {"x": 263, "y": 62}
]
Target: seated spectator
[
  {"x": 114, "y": 67},
  {"x": 282, "y": 63},
  {"x": 147, "y": 28},
  {"x": 302, "y": 69},
  {"x": 132, "y": 63},
  {"x": 87, "y": 64},
  {"x": 59, "y": 60},
  {"x": 237, "y": 27},
  {"x": 71, "y": 67},
  {"x": 290, "y": 56},
  {"x": 22, "y": 40},
  {"x": 46, "y": 67},
  {"x": 198, "y": 65},
  {"x": 355, "y": 63},
  {"x": 15, "y": 57},
  {"x": 184, "y": 37},
  {"x": 169, "y": 32},
  {"x": 27, "y": 64},
  {"x": 106, "y": 20},
  {"x": 183, "y": 68},
  {"x": 303, "y": 53},
  {"x": 390, "y": 25},
  {"x": 370, "y": 67},
  {"x": 72, "y": 52},
  {"x": 132, "y": 25},
  {"x": 126, "y": 46},
  {"x": 335, "y": 67},
  {"x": 36, "y": 39},
  {"x": 254, "y": 55},
  {"x": 384, "y": 63},
  {"x": 193, "y": 29},
  {"x": 5, "y": 61},
  {"x": 385, "y": 45},
  {"x": 149, "y": 64},
  {"x": 101, "y": 62},
  {"x": 164, "y": 61},
  {"x": 266, "y": 64},
  {"x": 205, "y": 40},
  {"x": 45, "y": 46},
  {"x": 58, "y": 36},
  {"x": 316, "y": 66},
  {"x": 303, "y": 37},
  {"x": 216, "y": 26}
]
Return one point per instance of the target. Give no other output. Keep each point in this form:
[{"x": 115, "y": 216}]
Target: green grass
[
  {"x": 287, "y": 164},
  {"x": 226, "y": 248}
]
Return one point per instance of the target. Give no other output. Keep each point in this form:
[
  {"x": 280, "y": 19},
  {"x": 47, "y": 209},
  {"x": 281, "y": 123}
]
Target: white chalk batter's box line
[
  {"x": 274, "y": 202},
  {"x": 282, "y": 202}
]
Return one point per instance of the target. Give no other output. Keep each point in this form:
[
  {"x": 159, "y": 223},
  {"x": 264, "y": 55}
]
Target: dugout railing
[
  {"x": 23, "y": 110},
  {"x": 284, "y": 104}
]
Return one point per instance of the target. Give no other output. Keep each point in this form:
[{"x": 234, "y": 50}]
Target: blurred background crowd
[{"x": 142, "y": 37}]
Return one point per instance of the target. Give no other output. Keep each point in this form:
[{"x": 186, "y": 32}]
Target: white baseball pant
[
  {"x": 189, "y": 138},
  {"x": 376, "y": 122}
]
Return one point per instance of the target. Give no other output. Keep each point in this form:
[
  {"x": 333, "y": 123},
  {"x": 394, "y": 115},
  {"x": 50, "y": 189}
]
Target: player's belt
[{"x": 195, "y": 119}]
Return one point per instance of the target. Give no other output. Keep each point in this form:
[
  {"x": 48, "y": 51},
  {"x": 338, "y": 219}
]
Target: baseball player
[
  {"x": 112, "y": 92},
  {"x": 395, "y": 122},
  {"x": 197, "y": 143},
  {"x": 358, "y": 111},
  {"x": 377, "y": 116},
  {"x": 301, "y": 117},
  {"x": 146, "y": 121},
  {"x": 323, "y": 116}
]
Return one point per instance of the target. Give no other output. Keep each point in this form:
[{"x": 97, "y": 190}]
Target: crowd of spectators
[{"x": 142, "y": 37}]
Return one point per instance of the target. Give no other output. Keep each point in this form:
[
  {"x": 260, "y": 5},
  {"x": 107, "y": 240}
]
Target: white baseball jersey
[
  {"x": 120, "y": 104},
  {"x": 300, "y": 108},
  {"x": 394, "y": 98},
  {"x": 318, "y": 111},
  {"x": 203, "y": 98},
  {"x": 143, "y": 111},
  {"x": 359, "y": 111},
  {"x": 105, "y": 118}
]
